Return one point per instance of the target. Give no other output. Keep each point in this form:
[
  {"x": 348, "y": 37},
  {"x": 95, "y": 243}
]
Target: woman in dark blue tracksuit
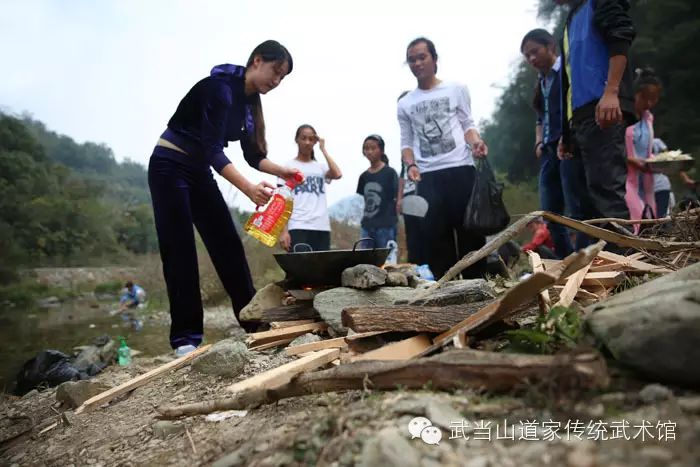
[{"x": 222, "y": 107}]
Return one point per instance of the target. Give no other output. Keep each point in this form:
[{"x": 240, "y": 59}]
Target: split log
[
  {"x": 456, "y": 369},
  {"x": 543, "y": 299},
  {"x": 567, "y": 295},
  {"x": 140, "y": 380},
  {"x": 300, "y": 310},
  {"x": 404, "y": 318},
  {"x": 286, "y": 324},
  {"x": 337, "y": 343},
  {"x": 632, "y": 264}
]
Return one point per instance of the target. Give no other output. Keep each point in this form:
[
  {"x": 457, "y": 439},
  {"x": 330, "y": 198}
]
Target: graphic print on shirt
[
  {"x": 313, "y": 184},
  {"x": 432, "y": 119},
  {"x": 373, "y": 199}
]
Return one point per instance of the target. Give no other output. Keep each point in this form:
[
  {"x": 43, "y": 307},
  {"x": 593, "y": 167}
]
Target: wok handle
[
  {"x": 374, "y": 244},
  {"x": 304, "y": 244}
]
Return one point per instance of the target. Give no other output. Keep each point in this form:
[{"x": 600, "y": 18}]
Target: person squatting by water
[{"x": 222, "y": 107}]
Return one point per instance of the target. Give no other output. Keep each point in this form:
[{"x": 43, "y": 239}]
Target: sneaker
[{"x": 184, "y": 350}]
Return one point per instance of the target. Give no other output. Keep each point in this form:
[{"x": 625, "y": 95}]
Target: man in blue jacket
[{"x": 598, "y": 101}]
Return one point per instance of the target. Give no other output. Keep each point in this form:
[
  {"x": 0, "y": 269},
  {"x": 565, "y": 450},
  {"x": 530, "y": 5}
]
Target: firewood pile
[{"x": 411, "y": 344}]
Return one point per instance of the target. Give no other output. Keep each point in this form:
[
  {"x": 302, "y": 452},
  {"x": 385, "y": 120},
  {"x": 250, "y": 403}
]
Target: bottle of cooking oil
[{"x": 267, "y": 225}]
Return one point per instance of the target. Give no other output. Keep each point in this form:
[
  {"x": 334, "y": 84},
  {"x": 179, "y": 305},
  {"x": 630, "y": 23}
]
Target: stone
[
  {"x": 655, "y": 393},
  {"x": 48, "y": 302},
  {"x": 235, "y": 458},
  {"x": 74, "y": 393},
  {"x": 108, "y": 352},
  {"x": 269, "y": 296},
  {"x": 363, "y": 276},
  {"x": 389, "y": 448},
  {"x": 330, "y": 303},
  {"x": 455, "y": 293},
  {"x": 87, "y": 357},
  {"x": 581, "y": 457},
  {"x": 227, "y": 357},
  {"x": 396, "y": 279},
  {"x": 305, "y": 339},
  {"x": 653, "y": 328},
  {"x": 478, "y": 461},
  {"x": 658, "y": 454},
  {"x": 689, "y": 404},
  {"x": 442, "y": 414},
  {"x": 164, "y": 428},
  {"x": 30, "y": 394}
]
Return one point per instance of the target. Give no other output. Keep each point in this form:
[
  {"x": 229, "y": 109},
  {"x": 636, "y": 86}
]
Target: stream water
[{"x": 26, "y": 332}]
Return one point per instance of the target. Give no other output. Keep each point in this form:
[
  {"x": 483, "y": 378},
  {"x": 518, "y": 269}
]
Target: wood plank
[
  {"x": 283, "y": 374},
  {"x": 605, "y": 279},
  {"x": 407, "y": 318},
  {"x": 273, "y": 344},
  {"x": 257, "y": 338},
  {"x": 634, "y": 264},
  {"x": 543, "y": 299},
  {"x": 401, "y": 350},
  {"x": 637, "y": 255},
  {"x": 286, "y": 324},
  {"x": 568, "y": 294},
  {"x": 337, "y": 343},
  {"x": 140, "y": 380}
]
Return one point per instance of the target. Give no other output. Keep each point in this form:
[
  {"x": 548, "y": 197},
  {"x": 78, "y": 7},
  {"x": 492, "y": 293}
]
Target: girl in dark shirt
[
  {"x": 378, "y": 186},
  {"x": 222, "y": 107}
]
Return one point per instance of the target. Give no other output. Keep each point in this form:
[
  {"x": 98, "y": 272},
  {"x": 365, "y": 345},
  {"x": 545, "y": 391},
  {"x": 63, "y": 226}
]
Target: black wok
[{"x": 314, "y": 268}]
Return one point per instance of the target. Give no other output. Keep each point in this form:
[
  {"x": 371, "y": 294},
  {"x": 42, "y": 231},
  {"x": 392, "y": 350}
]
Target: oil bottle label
[{"x": 265, "y": 221}]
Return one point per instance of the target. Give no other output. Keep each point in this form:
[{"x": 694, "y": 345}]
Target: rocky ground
[{"x": 357, "y": 427}]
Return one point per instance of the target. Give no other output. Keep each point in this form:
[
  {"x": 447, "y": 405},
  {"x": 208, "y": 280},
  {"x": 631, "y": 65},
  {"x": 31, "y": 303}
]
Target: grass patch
[
  {"x": 26, "y": 293},
  {"x": 111, "y": 287},
  {"x": 560, "y": 328}
]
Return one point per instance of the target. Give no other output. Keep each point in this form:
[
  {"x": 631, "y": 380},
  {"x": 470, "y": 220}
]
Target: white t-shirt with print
[
  {"x": 433, "y": 123},
  {"x": 310, "y": 207}
]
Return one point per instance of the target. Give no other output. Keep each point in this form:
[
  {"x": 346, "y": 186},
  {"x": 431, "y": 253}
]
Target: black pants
[
  {"x": 415, "y": 244},
  {"x": 447, "y": 192},
  {"x": 184, "y": 194},
  {"x": 318, "y": 240},
  {"x": 602, "y": 152}
]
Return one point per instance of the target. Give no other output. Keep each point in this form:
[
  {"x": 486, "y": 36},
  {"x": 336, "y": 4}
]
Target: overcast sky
[{"x": 114, "y": 71}]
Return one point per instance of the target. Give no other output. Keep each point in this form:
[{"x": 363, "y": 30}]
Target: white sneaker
[{"x": 184, "y": 350}]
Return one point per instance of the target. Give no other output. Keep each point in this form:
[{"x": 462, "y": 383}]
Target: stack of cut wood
[{"x": 391, "y": 346}]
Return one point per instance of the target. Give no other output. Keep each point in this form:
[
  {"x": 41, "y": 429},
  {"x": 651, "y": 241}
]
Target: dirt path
[{"x": 350, "y": 428}]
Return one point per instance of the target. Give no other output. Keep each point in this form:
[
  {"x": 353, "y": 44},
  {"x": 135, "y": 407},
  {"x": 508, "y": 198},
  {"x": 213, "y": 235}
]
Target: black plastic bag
[
  {"x": 49, "y": 367},
  {"x": 486, "y": 214}
]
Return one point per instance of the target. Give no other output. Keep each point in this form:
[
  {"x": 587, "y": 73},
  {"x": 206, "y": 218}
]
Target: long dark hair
[
  {"x": 542, "y": 37},
  {"x": 646, "y": 77},
  {"x": 429, "y": 44},
  {"x": 380, "y": 141},
  {"x": 268, "y": 51},
  {"x": 302, "y": 127}
]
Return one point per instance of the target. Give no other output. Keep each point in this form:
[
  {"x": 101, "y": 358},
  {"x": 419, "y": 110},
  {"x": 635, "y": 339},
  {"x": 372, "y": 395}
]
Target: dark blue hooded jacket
[{"x": 214, "y": 112}]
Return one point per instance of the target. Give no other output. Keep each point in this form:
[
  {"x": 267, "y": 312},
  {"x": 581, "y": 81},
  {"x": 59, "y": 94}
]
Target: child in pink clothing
[{"x": 639, "y": 140}]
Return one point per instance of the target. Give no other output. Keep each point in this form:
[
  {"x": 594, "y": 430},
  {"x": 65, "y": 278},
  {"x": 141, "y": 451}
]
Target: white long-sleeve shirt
[{"x": 433, "y": 123}]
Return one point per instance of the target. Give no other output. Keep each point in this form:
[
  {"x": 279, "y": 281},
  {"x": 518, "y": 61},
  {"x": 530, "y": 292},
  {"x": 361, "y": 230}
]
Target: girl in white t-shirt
[{"x": 309, "y": 222}]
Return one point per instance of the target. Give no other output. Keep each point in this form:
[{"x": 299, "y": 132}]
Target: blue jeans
[
  {"x": 561, "y": 186},
  {"x": 380, "y": 235}
]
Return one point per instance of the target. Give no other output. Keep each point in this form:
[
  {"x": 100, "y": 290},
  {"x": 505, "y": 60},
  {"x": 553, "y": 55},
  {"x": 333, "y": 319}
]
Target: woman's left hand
[
  {"x": 479, "y": 149},
  {"x": 321, "y": 143}
]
